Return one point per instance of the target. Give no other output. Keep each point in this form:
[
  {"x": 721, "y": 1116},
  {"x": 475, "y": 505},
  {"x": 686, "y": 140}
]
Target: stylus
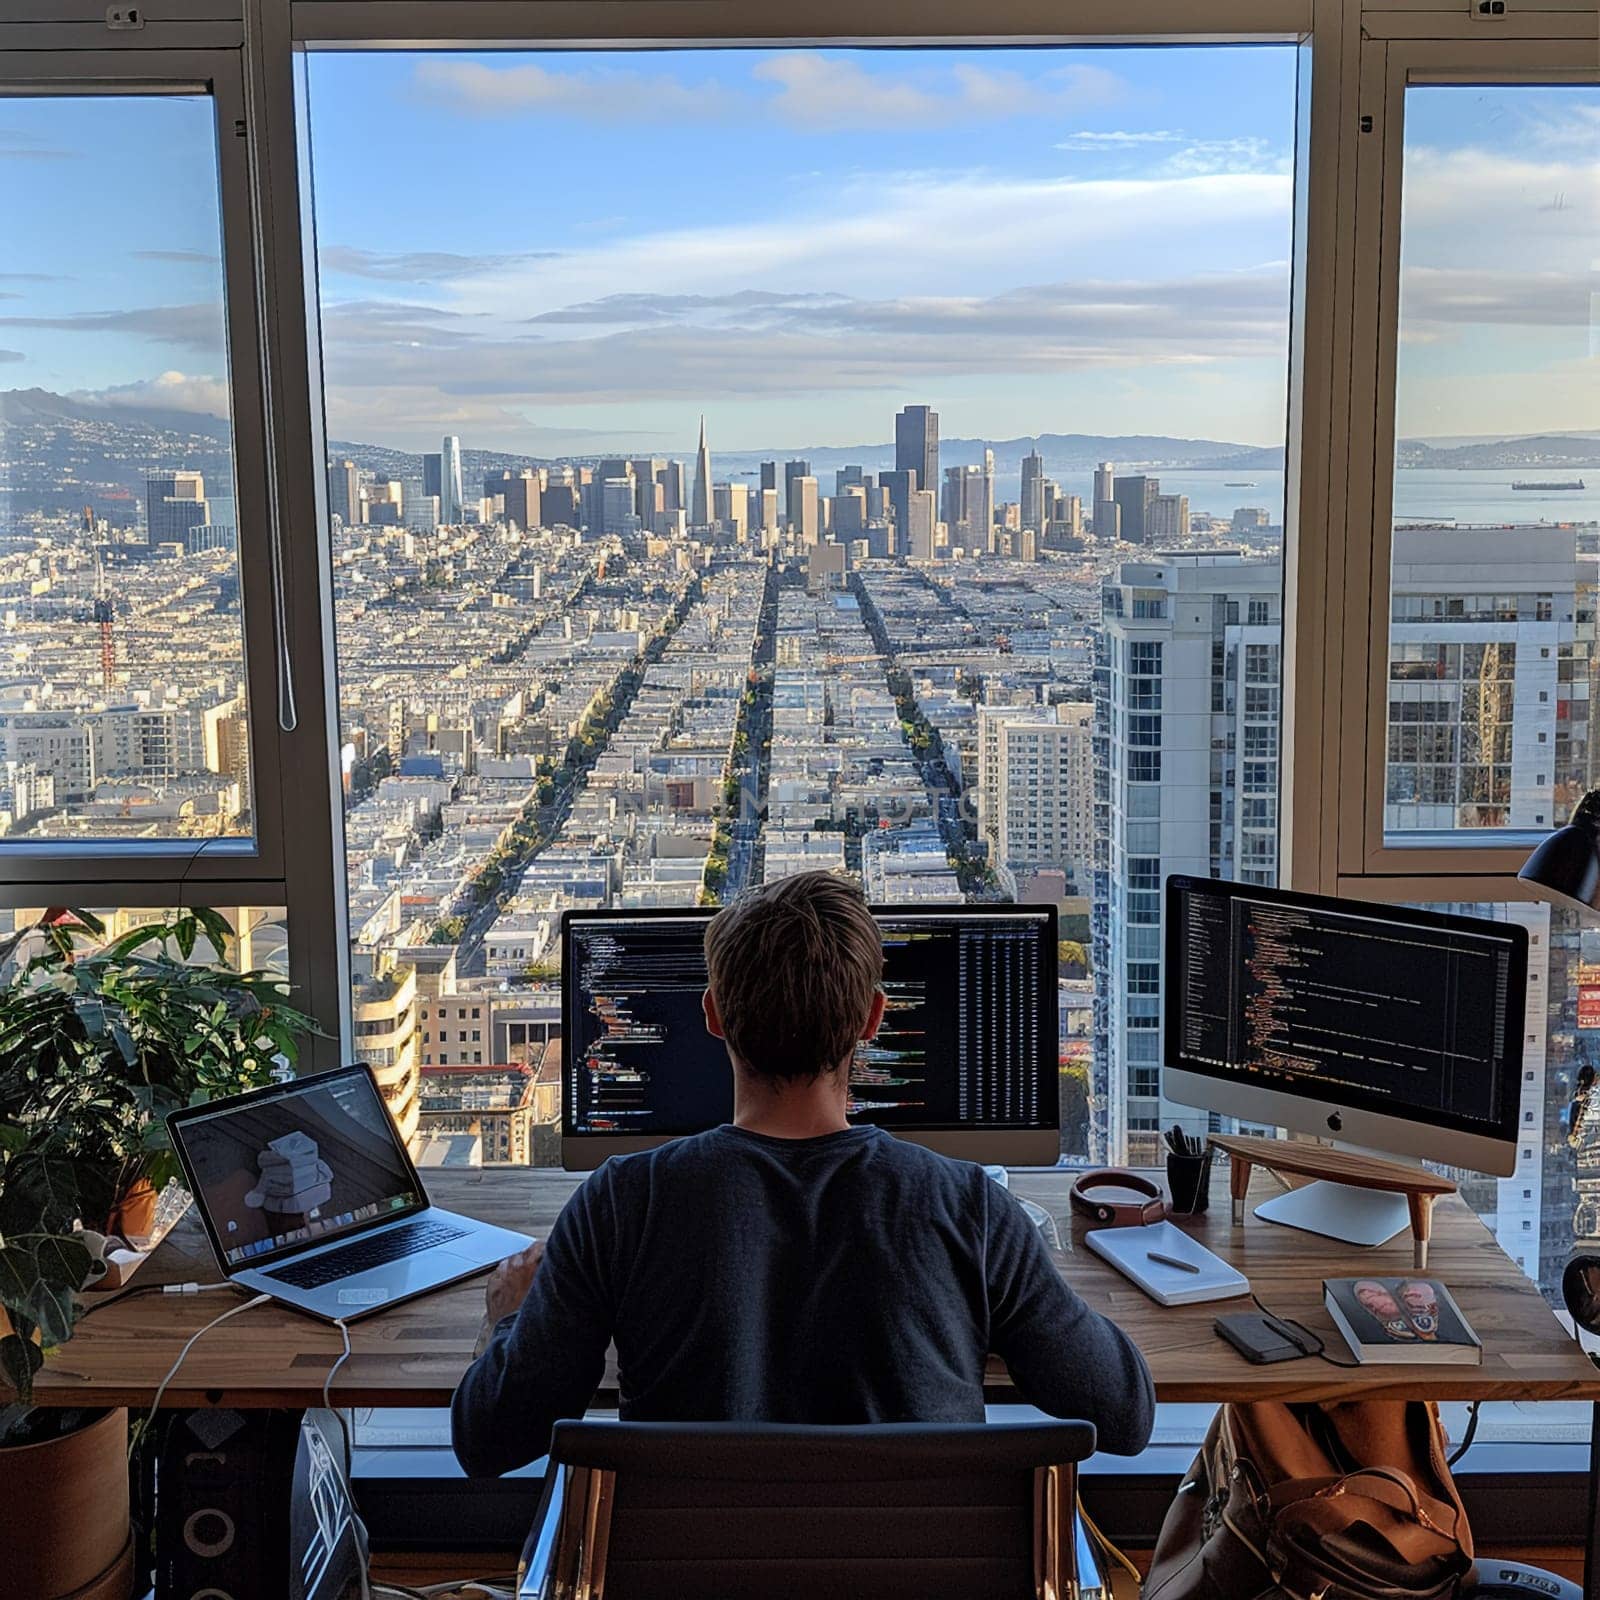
[{"x": 1172, "y": 1261}]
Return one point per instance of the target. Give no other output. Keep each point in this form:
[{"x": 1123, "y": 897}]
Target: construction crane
[{"x": 105, "y": 614}]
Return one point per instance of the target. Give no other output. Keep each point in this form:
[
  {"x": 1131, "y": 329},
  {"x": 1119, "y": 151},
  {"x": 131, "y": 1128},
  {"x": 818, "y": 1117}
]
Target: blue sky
[{"x": 576, "y": 251}]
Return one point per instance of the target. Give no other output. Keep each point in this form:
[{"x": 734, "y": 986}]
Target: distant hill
[{"x": 1537, "y": 450}]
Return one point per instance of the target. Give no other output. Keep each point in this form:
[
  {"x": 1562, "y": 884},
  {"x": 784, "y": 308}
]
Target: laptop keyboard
[{"x": 362, "y": 1254}]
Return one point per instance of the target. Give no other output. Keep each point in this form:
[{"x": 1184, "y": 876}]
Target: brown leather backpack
[{"x": 1315, "y": 1502}]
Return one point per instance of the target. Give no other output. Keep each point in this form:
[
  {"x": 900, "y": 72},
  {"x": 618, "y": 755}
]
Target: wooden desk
[{"x": 414, "y": 1354}]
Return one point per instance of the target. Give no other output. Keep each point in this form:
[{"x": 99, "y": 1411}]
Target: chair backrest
[{"x": 757, "y": 1511}]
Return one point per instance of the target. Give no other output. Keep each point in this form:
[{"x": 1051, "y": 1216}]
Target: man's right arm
[
  {"x": 1064, "y": 1358},
  {"x": 544, "y": 1362}
]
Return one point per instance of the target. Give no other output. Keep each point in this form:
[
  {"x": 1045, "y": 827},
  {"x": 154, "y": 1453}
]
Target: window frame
[
  {"x": 284, "y": 662},
  {"x": 1458, "y": 868},
  {"x": 253, "y": 867}
]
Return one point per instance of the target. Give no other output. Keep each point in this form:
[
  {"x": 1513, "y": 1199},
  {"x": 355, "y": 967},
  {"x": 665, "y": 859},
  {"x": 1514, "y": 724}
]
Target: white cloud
[
  {"x": 171, "y": 391},
  {"x": 835, "y": 92},
  {"x": 807, "y": 89},
  {"x": 614, "y": 95},
  {"x": 1114, "y": 139},
  {"x": 1204, "y": 156},
  {"x": 418, "y": 266}
]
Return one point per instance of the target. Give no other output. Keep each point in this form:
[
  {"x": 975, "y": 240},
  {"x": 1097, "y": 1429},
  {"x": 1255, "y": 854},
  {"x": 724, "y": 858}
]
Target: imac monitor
[
  {"x": 966, "y": 1062},
  {"x": 1391, "y": 1029}
]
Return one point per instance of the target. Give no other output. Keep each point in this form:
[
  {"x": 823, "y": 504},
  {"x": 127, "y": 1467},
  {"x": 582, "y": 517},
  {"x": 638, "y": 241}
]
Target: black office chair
[{"x": 758, "y": 1511}]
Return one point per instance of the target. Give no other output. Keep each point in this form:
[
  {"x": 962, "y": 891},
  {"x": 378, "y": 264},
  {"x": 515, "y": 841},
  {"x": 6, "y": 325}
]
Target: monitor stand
[{"x": 1340, "y": 1211}]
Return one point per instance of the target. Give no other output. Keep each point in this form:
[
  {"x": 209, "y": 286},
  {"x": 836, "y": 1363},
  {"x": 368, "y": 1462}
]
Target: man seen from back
[{"x": 788, "y": 1266}]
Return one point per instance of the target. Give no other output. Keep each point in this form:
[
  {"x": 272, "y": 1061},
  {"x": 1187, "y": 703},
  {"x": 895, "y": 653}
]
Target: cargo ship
[{"x": 1569, "y": 483}]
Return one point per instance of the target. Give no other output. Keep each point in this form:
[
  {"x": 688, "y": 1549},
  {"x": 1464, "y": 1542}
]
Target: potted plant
[{"x": 99, "y": 1040}]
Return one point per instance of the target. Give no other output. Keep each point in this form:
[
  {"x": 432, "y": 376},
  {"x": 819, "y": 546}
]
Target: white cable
[
  {"x": 193, "y": 1288},
  {"x": 194, "y": 1339},
  {"x": 349, "y": 1447}
]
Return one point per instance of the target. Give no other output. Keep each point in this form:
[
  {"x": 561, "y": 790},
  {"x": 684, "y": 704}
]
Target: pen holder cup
[{"x": 1189, "y": 1183}]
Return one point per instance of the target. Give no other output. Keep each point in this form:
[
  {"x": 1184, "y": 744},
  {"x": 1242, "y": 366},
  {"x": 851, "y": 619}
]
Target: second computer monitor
[
  {"x": 1394, "y": 1029},
  {"x": 966, "y": 1061}
]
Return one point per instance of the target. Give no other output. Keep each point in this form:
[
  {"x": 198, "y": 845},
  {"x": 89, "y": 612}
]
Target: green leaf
[
  {"x": 64, "y": 1261},
  {"x": 186, "y": 931},
  {"x": 20, "y": 1358}
]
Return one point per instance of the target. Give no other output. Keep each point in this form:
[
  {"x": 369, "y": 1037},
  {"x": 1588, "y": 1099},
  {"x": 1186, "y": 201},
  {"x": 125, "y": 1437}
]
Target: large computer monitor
[
  {"x": 1393, "y": 1030},
  {"x": 966, "y": 1062}
]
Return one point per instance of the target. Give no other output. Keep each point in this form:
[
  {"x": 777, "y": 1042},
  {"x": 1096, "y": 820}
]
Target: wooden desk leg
[
  {"x": 1238, "y": 1186},
  {"x": 1421, "y": 1209}
]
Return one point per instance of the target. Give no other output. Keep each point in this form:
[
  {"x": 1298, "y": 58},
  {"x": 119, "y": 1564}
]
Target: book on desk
[{"x": 1401, "y": 1320}]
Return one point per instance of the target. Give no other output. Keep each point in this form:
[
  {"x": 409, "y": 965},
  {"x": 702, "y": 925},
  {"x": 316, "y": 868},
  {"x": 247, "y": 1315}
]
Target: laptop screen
[{"x": 297, "y": 1165}]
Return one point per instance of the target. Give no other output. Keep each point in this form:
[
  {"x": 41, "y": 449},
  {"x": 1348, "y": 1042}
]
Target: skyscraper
[
  {"x": 791, "y": 471},
  {"x": 700, "y": 505},
  {"x": 916, "y": 444},
  {"x": 1032, "y": 505},
  {"x": 804, "y": 513},
  {"x": 344, "y": 493},
  {"x": 769, "y": 474},
  {"x": 430, "y": 475},
  {"x": 916, "y": 538},
  {"x": 672, "y": 495},
  {"x": 900, "y": 485},
  {"x": 174, "y": 502},
  {"x": 1136, "y": 498},
  {"x": 1168, "y": 519},
  {"x": 983, "y": 513},
  {"x": 451, "y": 503},
  {"x": 1106, "y": 517}
]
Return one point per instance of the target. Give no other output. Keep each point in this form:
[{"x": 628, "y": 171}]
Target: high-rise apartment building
[
  {"x": 991, "y": 718},
  {"x": 916, "y": 444},
  {"x": 1135, "y": 496},
  {"x": 432, "y": 477},
  {"x": 1043, "y": 809},
  {"x": 1491, "y": 665},
  {"x": 1186, "y": 780},
  {"x": 451, "y": 503},
  {"x": 174, "y": 503},
  {"x": 700, "y": 511}
]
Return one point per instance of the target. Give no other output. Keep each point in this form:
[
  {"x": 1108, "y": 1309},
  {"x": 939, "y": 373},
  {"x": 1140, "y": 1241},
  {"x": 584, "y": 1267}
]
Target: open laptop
[{"x": 308, "y": 1195}]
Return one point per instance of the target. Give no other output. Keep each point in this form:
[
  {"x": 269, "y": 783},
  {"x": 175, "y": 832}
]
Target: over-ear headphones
[{"x": 1095, "y": 1196}]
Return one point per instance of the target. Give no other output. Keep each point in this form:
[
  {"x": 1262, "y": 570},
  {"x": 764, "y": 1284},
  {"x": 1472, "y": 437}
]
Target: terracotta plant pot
[
  {"x": 134, "y": 1215},
  {"x": 64, "y": 1531}
]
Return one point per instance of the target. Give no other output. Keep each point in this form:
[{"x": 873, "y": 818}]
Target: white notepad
[{"x": 1127, "y": 1249}]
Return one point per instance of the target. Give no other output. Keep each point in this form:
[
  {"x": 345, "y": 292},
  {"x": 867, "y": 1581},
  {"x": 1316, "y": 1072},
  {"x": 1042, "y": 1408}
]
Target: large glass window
[
  {"x": 873, "y": 488},
  {"x": 1496, "y": 499},
  {"x": 123, "y": 711}
]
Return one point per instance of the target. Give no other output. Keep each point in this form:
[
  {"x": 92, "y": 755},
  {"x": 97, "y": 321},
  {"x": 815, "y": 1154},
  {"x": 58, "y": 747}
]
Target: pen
[{"x": 1172, "y": 1261}]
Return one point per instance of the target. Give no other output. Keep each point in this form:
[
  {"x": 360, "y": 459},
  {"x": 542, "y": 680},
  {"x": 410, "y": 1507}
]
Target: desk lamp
[{"x": 1565, "y": 867}]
